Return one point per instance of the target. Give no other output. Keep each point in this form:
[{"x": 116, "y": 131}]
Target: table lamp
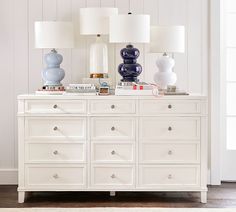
[
  {"x": 52, "y": 35},
  {"x": 166, "y": 39},
  {"x": 129, "y": 29},
  {"x": 95, "y": 21}
]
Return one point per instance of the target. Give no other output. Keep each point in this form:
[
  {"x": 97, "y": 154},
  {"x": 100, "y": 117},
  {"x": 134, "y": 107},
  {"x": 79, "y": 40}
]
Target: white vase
[{"x": 165, "y": 76}]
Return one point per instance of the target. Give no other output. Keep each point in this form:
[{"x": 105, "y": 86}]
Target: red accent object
[
  {"x": 141, "y": 87},
  {"x": 134, "y": 87}
]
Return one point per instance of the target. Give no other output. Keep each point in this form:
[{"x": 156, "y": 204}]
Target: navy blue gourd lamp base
[
  {"x": 129, "y": 29},
  {"x": 129, "y": 69}
]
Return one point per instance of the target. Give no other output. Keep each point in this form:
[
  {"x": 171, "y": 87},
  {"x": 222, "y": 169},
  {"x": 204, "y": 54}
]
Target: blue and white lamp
[
  {"x": 53, "y": 35},
  {"x": 129, "y": 29}
]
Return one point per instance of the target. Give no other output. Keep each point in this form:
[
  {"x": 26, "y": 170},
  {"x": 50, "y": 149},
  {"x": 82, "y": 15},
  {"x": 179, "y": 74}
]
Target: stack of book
[{"x": 81, "y": 89}]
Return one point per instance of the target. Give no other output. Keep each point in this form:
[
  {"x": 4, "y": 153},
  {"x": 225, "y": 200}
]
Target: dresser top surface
[{"x": 78, "y": 97}]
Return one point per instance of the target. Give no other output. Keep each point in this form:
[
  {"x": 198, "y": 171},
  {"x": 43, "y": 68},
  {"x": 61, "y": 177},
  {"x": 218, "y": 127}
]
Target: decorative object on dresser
[
  {"x": 53, "y": 34},
  {"x": 95, "y": 21},
  {"x": 112, "y": 143},
  {"x": 166, "y": 39},
  {"x": 129, "y": 29}
]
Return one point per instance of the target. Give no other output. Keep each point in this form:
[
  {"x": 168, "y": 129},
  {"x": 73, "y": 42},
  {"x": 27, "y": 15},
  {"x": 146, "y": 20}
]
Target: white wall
[{"x": 20, "y": 63}]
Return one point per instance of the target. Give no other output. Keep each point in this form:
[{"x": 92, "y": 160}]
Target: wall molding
[{"x": 8, "y": 176}]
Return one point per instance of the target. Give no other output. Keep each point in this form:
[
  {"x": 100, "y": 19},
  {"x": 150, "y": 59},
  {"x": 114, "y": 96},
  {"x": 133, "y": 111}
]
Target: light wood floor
[{"x": 218, "y": 197}]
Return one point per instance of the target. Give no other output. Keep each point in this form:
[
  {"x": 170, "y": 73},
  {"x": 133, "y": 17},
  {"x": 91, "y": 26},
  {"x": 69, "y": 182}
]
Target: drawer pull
[
  {"x": 169, "y": 106},
  {"x": 169, "y": 128},
  {"x": 55, "y": 152},
  {"x": 112, "y": 106},
  {"x": 55, "y": 128},
  {"x": 170, "y": 176},
  {"x": 113, "y": 129},
  {"x": 113, "y": 152},
  {"x": 54, "y": 106},
  {"x": 170, "y": 152},
  {"x": 113, "y": 176},
  {"x": 55, "y": 176}
]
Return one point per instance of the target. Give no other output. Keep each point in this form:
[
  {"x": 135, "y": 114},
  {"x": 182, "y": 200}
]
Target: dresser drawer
[
  {"x": 55, "y": 128},
  {"x": 169, "y": 153},
  {"x": 154, "y": 107},
  {"x": 113, "y": 128},
  {"x": 57, "y": 177},
  {"x": 185, "y": 128},
  {"x": 112, "y": 107},
  {"x": 55, "y": 106},
  {"x": 49, "y": 153},
  {"x": 112, "y": 177},
  {"x": 172, "y": 176},
  {"x": 110, "y": 153}
]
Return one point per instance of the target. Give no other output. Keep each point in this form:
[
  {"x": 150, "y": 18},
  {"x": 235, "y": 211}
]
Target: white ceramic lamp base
[
  {"x": 98, "y": 58},
  {"x": 165, "y": 76}
]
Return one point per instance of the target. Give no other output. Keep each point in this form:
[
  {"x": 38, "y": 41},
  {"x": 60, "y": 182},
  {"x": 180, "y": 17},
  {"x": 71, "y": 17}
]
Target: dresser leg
[
  {"x": 112, "y": 193},
  {"x": 203, "y": 197},
  {"x": 21, "y": 196}
]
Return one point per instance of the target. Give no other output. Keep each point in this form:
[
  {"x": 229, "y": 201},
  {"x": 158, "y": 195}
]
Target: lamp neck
[{"x": 54, "y": 51}]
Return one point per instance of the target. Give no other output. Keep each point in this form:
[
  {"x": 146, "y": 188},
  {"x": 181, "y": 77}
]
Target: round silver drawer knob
[
  {"x": 169, "y": 128},
  {"x": 55, "y": 176},
  {"x": 54, "y": 106},
  {"x": 169, "y": 106},
  {"x": 113, "y": 152},
  {"x": 55, "y": 152},
  {"x": 113, "y": 128},
  {"x": 170, "y": 152},
  {"x": 112, "y": 106},
  {"x": 55, "y": 128},
  {"x": 170, "y": 176},
  {"x": 113, "y": 176}
]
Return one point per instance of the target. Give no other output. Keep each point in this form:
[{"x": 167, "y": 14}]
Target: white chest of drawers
[{"x": 94, "y": 143}]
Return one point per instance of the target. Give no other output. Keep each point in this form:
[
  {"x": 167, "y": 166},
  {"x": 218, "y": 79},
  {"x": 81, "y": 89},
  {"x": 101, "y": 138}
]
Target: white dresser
[{"x": 112, "y": 143}]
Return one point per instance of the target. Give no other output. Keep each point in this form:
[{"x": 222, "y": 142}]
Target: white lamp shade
[
  {"x": 53, "y": 34},
  {"x": 95, "y": 21},
  {"x": 129, "y": 29},
  {"x": 167, "y": 39}
]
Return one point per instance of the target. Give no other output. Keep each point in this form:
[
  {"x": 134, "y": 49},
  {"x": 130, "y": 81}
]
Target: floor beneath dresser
[{"x": 218, "y": 197}]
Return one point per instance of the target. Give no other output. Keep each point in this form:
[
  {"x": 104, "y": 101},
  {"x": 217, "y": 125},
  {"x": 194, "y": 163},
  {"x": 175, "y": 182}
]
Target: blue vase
[{"x": 129, "y": 69}]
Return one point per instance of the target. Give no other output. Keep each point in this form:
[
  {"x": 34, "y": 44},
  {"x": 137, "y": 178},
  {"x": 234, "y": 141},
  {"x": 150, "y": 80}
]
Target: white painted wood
[
  {"x": 112, "y": 177},
  {"x": 56, "y": 128},
  {"x": 112, "y": 152},
  {"x": 85, "y": 154},
  {"x": 58, "y": 106},
  {"x": 55, "y": 176},
  {"x": 151, "y": 108},
  {"x": 112, "y": 107},
  {"x": 22, "y": 63},
  {"x": 169, "y": 176},
  {"x": 51, "y": 153},
  {"x": 21, "y": 196},
  {"x": 113, "y": 128},
  {"x": 171, "y": 128},
  {"x": 169, "y": 153}
]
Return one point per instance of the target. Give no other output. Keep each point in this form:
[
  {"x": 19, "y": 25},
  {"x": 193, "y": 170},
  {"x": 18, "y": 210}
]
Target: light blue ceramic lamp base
[{"x": 53, "y": 74}]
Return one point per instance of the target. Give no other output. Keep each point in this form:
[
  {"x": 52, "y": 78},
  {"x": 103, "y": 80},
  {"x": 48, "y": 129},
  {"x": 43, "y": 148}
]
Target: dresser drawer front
[
  {"x": 56, "y": 177},
  {"x": 55, "y": 106},
  {"x": 154, "y": 107},
  {"x": 110, "y": 153},
  {"x": 49, "y": 153},
  {"x": 173, "y": 176},
  {"x": 112, "y": 177},
  {"x": 55, "y": 128},
  {"x": 169, "y": 128},
  {"x": 112, "y": 107},
  {"x": 169, "y": 153},
  {"x": 113, "y": 128}
]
